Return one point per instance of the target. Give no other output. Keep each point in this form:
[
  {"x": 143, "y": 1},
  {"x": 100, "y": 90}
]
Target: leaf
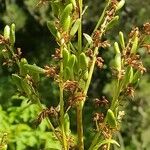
[
  {"x": 107, "y": 141},
  {"x": 88, "y": 38}
]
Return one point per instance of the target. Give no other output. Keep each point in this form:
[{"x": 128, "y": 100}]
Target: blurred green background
[{"x": 37, "y": 44}]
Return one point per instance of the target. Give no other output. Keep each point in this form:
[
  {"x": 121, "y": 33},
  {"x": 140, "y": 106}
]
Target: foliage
[{"x": 40, "y": 18}]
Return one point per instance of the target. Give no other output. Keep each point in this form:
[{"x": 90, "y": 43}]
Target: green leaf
[
  {"x": 88, "y": 38},
  {"x": 107, "y": 141}
]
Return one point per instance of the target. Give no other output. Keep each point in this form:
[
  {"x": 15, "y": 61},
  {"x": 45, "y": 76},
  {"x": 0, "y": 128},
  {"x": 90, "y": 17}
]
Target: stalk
[
  {"x": 62, "y": 104},
  {"x": 80, "y": 105}
]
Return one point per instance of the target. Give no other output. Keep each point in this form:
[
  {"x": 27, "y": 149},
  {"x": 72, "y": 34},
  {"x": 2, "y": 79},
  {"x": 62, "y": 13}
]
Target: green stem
[
  {"x": 62, "y": 104},
  {"x": 80, "y": 105},
  {"x": 80, "y": 126},
  {"x": 50, "y": 126},
  {"x": 99, "y": 22},
  {"x": 80, "y": 26},
  {"x": 94, "y": 141}
]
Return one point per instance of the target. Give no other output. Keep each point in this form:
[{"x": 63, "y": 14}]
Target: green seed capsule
[
  {"x": 83, "y": 61},
  {"x": 121, "y": 40},
  {"x": 116, "y": 47},
  {"x": 120, "y": 5},
  {"x": 73, "y": 3},
  {"x": 112, "y": 23},
  {"x": 67, "y": 73},
  {"x": 52, "y": 28},
  {"x": 34, "y": 68},
  {"x": 75, "y": 27},
  {"x": 7, "y": 32},
  {"x": 118, "y": 61},
  {"x": 17, "y": 81},
  {"x": 135, "y": 45},
  {"x": 66, "y": 56},
  {"x": 130, "y": 74},
  {"x": 136, "y": 77},
  {"x": 26, "y": 87},
  {"x": 66, "y": 12},
  {"x": 12, "y": 34},
  {"x": 85, "y": 76},
  {"x": 111, "y": 118},
  {"x": 71, "y": 61},
  {"x": 67, "y": 124},
  {"x": 23, "y": 70},
  {"x": 66, "y": 24}
]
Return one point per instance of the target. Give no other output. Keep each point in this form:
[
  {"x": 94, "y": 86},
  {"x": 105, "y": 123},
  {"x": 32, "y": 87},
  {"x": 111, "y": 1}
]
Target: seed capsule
[
  {"x": 118, "y": 62},
  {"x": 71, "y": 61},
  {"x": 120, "y": 5},
  {"x": 121, "y": 39},
  {"x": 23, "y": 70},
  {"x": 66, "y": 57},
  {"x": 17, "y": 81},
  {"x": 111, "y": 118},
  {"x": 52, "y": 28},
  {"x": 83, "y": 61},
  {"x": 112, "y": 23},
  {"x": 116, "y": 47},
  {"x": 34, "y": 68},
  {"x": 26, "y": 87},
  {"x": 7, "y": 32},
  {"x": 65, "y": 16},
  {"x": 12, "y": 34},
  {"x": 66, "y": 23},
  {"x": 75, "y": 27},
  {"x": 135, "y": 45}
]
